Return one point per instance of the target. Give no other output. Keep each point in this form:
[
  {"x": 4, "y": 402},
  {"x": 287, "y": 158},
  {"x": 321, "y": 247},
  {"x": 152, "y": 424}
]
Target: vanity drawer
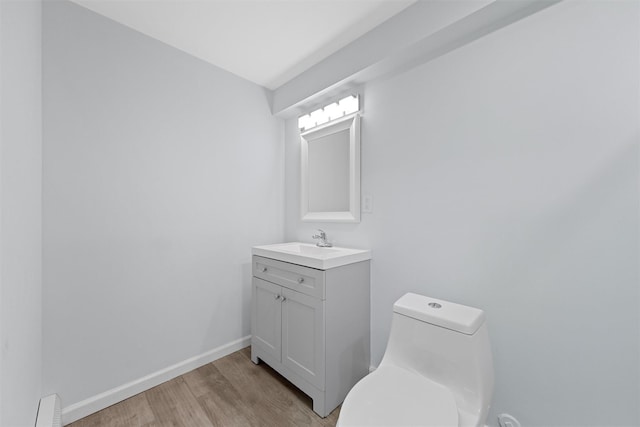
[{"x": 305, "y": 280}]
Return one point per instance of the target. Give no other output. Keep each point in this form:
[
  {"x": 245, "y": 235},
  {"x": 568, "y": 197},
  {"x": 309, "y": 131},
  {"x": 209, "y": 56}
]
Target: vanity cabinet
[{"x": 312, "y": 326}]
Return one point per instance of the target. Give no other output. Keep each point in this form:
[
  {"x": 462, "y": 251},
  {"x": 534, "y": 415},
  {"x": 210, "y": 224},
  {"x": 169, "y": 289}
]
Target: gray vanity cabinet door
[
  {"x": 267, "y": 315},
  {"x": 303, "y": 336}
]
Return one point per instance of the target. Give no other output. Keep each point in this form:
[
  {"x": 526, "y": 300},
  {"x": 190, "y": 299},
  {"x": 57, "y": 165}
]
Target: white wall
[
  {"x": 160, "y": 173},
  {"x": 20, "y": 212},
  {"x": 504, "y": 175}
]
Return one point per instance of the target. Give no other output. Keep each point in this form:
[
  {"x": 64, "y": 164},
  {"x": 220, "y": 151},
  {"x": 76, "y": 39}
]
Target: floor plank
[
  {"x": 128, "y": 413},
  {"x": 173, "y": 404},
  {"x": 219, "y": 398},
  {"x": 231, "y": 391}
]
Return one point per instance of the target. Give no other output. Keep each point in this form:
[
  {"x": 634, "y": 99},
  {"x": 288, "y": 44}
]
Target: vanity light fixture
[{"x": 330, "y": 112}]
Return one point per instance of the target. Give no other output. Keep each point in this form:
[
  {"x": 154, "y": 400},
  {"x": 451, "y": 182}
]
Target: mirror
[{"x": 331, "y": 172}]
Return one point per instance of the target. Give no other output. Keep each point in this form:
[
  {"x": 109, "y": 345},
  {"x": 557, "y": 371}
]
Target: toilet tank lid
[{"x": 437, "y": 312}]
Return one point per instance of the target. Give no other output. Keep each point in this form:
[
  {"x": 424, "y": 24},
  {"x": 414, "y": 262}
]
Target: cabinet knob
[
  {"x": 301, "y": 280},
  {"x": 264, "y": 269},
  {"x": 284, "y": 299},
  {"x": 278, "y": 297}
]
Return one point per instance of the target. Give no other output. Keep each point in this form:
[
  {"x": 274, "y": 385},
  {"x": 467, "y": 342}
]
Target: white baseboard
[
  {"x": 49, "y": 412},
  {"x": 100, "y": 401}
]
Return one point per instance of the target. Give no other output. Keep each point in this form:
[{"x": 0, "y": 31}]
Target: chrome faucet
[{"x": 323, "y": 239}]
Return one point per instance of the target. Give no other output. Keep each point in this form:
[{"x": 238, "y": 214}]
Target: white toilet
[{"x": 437, "y": 370}]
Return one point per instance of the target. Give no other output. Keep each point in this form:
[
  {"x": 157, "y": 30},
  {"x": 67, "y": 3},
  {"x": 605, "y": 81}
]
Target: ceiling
[{"x": 268, "y": 42}]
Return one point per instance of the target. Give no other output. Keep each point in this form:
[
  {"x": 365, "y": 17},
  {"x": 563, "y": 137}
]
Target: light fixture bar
[{"x": 330, "y": 112}]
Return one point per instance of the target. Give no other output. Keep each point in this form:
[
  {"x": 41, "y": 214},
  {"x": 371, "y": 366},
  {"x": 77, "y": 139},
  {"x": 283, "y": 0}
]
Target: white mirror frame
[{"x": 351, "y": 122}]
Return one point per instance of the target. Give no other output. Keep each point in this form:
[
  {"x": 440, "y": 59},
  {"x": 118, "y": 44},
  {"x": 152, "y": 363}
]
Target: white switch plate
[{"x": 367, "y": 203}]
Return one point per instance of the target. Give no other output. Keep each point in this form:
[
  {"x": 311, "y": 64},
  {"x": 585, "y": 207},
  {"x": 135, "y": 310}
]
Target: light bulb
[
  {"x": 349, "y": 104},
  {"x": 304, "y": 122},
  {"x": 333, "y": 111},
  {"x": 319, "y": 117}
]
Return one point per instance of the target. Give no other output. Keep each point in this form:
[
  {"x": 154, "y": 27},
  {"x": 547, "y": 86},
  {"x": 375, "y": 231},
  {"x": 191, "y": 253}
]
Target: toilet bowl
[{"x": 437, "y": 370}]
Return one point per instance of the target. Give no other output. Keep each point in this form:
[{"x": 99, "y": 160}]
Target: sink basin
[{"x": 310, "y": 255}]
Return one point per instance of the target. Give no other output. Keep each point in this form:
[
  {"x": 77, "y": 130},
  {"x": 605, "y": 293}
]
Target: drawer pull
[{"x": 306, "y": 280}]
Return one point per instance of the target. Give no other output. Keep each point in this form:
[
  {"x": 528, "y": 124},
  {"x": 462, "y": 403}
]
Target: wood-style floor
[{"x": 231, "y": 391}]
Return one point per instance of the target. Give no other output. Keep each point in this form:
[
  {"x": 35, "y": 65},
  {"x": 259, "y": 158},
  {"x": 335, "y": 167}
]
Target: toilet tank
[{"x": 448, "y": 343}]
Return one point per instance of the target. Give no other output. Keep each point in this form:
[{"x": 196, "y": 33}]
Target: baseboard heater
[{"x": 49, "y": 412}]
